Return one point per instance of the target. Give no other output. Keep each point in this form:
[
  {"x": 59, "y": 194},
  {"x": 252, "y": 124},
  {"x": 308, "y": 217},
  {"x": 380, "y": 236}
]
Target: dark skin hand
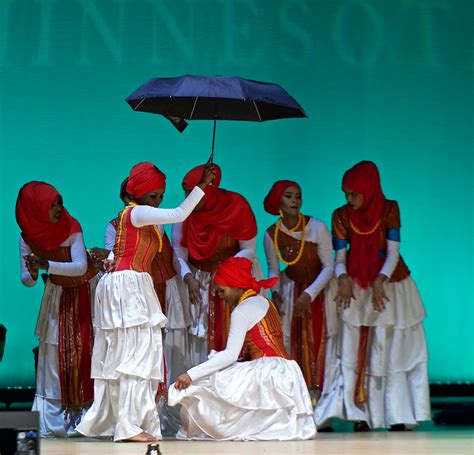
[
  {"x": 183, "y": 381},
  {"x": 302, "y": 303},
  {"x": 378, "y": 293},
  {"x": 344, "y": 292},
  {"x": 34, "y": 263},
  {"x": 194, "y": 288}
]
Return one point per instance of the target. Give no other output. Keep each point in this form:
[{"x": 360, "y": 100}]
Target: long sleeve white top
[
  {"x": 388, "y": 267},
  {"x": 315, "y": 232},
  {"x": 109, "y": 237},
  {"x": 243, "y": 318},
  {"x": 145, "y": 215},
  {"x": 247, "y": 249},
  {"x": 77, "y": 266}
]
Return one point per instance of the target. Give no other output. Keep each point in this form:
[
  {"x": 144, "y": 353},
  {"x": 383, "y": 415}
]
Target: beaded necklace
[
  {"x": 248, "y": 293},
  {"x": 357, "y": 231},
  {"x": 275, "y": 240}
]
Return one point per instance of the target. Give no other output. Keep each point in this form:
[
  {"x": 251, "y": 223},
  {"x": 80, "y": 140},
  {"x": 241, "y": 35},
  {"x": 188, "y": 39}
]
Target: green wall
[{"x": 385, "y": 80}]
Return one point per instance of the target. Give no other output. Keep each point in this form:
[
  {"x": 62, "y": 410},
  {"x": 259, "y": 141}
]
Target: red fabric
[
  {"x": 360, "y": 391},
  {"x": 271, "y": 203},
  {"x": 145, "y": 177},
  {"x": 237, "y": 273},
  {"x": 222, "y": 212},
  {"x": 364, "y": 262},
  {"x": 32, "y": 215},
  {"x": 75, "y": 347}
]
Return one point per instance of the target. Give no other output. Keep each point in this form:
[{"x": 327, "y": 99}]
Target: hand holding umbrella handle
[{"x": 208, "y": 175}]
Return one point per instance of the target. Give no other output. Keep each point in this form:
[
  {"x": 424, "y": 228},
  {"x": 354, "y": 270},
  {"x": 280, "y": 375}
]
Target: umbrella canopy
[{"x": 215, "y": 98}]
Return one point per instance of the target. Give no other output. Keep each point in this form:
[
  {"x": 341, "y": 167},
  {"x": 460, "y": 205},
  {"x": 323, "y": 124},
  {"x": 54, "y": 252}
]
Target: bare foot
[{"x": 142, "y": 437}]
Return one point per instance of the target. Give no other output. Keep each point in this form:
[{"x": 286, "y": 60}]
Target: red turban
[
  {"x": 237, "y": 273},
  {"x": 145, "y": 177},
  {"x": 364, "y": 262},
  {"x": 272, "y": 200},
  {"x": 32, "y": 215},
  {"x": 222, "y": 212},
  {"x": 192, "y": 178}
]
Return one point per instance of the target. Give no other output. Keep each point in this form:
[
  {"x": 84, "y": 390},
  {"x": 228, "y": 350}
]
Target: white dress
[
  {"x": 199, "y": 313},
  {"x": 54, "y": 420},
  {"x": 262, "y": 399},
  {"x": 177, "y": 306},
  {"x": 396, "y": 374},
  {"x": 127, "y": 361}
]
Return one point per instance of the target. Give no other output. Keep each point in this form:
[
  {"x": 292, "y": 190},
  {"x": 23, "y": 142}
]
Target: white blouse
[
  {"x": 315, "y": 232},
  {"x": 77, "y": 266},
  {"x": 243, "y": 318},
  {"x": 145, "y": 215}
]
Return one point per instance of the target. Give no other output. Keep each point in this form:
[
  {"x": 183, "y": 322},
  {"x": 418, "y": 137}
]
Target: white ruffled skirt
[
  {"x": 396, "y": 375},
  {"x": 264, "y": 399},
  {"x": 54, "y": 421},
  {"x": 127, "y": 360}
]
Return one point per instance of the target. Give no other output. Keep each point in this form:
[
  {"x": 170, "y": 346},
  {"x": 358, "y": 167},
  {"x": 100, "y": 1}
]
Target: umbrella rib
[
  {"x": 256, "y": 108},
  {"x": 194, "y": 107},
  {"x": 138, "y": 105}
]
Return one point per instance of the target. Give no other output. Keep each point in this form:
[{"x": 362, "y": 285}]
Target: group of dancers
[{"x": 144, "y": 336}]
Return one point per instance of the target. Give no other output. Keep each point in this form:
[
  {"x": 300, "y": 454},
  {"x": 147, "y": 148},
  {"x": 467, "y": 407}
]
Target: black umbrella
[{"x": 214, "y": 98}]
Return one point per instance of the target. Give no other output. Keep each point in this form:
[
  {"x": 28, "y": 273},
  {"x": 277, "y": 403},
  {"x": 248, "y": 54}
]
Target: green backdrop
[{"x": 385, "y": 80}]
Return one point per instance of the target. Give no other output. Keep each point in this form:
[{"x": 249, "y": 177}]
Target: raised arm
[{"x": 144, "y": 215}]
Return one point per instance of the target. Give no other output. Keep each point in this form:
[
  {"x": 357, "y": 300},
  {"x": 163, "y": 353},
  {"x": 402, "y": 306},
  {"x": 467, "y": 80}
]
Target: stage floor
[{"x": 424, "y": 441}]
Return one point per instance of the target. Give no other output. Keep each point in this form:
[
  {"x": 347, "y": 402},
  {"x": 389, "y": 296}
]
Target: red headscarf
[
  {"x": 364, "y": 262},
  {"x": 145, "y": 177},
  {"x": 237, "y": 273},
  {"x": 271, "y": 203},
  {"x": 32, "y": 215},
  {"x": 223, "y": 212}
]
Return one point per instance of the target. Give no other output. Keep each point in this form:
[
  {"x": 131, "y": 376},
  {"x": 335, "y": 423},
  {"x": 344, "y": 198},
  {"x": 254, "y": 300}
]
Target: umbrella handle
[{"x": 211, "y": 158}]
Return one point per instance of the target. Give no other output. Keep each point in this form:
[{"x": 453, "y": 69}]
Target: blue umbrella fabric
[{"x": 215, "y": 98}]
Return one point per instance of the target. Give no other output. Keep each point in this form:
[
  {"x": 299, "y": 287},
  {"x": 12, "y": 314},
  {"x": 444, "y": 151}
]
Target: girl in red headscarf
[
  {"x": 381, "y": 378},
  {"x": 303, "y": 244},
  {"x": 221, "y": 226},
  {"x": 127, "y": 361},
  {"x": 171, "y": 293},
  {"x": 262, "y": 398},
  {"x": 51, "y": 240}
]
